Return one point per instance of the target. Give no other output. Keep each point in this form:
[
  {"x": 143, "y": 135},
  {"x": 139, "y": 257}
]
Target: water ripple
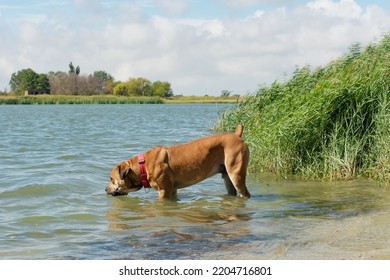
[{"x": 55, "y": 164}]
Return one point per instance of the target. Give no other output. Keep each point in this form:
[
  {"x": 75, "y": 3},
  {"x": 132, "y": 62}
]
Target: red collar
[{"x": 144, "y": 177}]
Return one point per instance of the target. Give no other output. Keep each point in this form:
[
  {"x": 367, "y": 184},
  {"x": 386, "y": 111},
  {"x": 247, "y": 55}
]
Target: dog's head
[{"x": 123, "y": 180}]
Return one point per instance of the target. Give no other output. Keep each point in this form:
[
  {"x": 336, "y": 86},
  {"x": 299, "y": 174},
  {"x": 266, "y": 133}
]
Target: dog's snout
[
  {"x": 113, "y": 189},
  {"x": 110, "y": 189},
  {"x": 116, "y": 191}
]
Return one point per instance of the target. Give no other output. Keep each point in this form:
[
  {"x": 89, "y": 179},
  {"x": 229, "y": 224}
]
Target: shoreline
[{"x": 111, "y": 99}]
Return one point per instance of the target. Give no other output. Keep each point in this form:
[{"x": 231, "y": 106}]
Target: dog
[{"x": 168, "y": 169}]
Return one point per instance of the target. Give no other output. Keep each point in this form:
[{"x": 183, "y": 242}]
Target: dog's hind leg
[
  {"x": 236, "y": 172},
  {"x": 229, "y": 185},
  {"x": 238, "y": 182}
]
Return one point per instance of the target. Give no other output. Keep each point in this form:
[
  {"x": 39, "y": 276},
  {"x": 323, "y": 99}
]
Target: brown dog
[{"x": 171, "y": 168}]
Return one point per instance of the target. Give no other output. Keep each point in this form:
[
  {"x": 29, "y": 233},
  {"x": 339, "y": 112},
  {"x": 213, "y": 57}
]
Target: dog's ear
[{"x": 123, "y": 169}]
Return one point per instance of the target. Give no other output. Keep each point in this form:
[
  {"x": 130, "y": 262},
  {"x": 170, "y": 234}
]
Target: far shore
[
  {"x": 111, "y": 99},
  {"x": 203, "y": 99}
]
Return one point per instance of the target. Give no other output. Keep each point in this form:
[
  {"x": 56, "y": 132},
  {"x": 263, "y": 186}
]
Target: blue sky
[{"x": 201, "y": 47}]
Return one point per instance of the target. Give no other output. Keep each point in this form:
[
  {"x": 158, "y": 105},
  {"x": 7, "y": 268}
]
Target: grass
[
  {"x": 332, "y": 122},
  {"x": 72, "y": 99}
]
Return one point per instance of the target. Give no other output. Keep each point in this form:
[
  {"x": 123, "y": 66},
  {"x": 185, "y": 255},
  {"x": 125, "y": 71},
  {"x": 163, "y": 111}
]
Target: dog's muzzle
[{"x": 114, "y": 191}]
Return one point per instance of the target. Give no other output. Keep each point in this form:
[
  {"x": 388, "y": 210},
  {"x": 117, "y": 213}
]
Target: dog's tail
[{"x": 239, "y": 130}]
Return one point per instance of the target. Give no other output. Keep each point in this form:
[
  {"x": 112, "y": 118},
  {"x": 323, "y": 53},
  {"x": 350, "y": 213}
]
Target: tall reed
[{"x": 331, "y": 122}]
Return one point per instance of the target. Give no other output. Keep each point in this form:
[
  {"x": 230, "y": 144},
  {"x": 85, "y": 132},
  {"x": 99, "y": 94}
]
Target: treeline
[{"x": 74, "y": 83}]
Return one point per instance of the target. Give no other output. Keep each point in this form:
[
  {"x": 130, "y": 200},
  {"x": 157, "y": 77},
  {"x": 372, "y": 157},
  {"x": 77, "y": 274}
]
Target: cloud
[
  {"x": 347, "y": 9},
  {"x": 197, "y": 55}
]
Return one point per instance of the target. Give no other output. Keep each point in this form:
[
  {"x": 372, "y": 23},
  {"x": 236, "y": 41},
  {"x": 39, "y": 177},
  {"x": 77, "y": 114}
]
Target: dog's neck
[{"x": 142, "y": 168}]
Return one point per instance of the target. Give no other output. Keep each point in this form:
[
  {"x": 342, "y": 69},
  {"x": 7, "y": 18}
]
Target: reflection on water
[
  {"x": 199, "y": 211},
  {"x": 185, "y": 228},
  {"x": 55, "y": 165},
  {"x": 283, "y": 220}
]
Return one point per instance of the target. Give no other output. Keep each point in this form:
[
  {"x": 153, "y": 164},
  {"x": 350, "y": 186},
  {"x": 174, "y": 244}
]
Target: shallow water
[{"x": 55, "y": 162}]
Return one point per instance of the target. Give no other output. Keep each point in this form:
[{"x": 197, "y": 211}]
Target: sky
[{"x": 201, "y": 47}]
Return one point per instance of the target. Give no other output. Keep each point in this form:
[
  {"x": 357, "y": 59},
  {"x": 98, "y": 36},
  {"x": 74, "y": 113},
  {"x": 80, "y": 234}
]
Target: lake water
[{"x": 55, "y": 163}]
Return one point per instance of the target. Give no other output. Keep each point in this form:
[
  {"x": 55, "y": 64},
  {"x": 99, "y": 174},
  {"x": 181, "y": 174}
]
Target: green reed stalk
[{"x": 331, "y": 122}]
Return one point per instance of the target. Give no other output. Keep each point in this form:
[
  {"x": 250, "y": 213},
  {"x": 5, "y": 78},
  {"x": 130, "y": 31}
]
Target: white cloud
[
  {"x": 198, "y": 56},
  {"x": 347, "y": 9}
]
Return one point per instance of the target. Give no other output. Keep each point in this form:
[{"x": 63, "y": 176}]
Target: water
[{"x": 55, "y": 162}]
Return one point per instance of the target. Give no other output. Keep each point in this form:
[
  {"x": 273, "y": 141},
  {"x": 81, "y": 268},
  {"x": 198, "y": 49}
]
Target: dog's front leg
[
  {"x": 165, "y": 186},
  {"x": 167, "y": 193}
]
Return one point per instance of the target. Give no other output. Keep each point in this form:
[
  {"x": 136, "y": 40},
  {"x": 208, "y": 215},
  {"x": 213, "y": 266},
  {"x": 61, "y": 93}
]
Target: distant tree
[
  {"x": 162, "y": 89},
  {"x": 42, "y": 83},
  {"x": 59, "y": 83},
  {"x": 73, "y": 70},
  {"x": 63, "y": 83},
  {"x": 73, "y": 84},
  {"x": 225, "y": 93},
  {"x": 140, "y": 87},
  {"x": 105, "y": 82},
  {"x": 22, "y": 80},
  {"x": 102, "y": 76},
  {"x": 109, "y": 87},
  {"x": 29, "y": 79},
  {"x": 87, "y": 85},
  {"x": 73, "y": 78},
  {"x": 122, "y": 89}
]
